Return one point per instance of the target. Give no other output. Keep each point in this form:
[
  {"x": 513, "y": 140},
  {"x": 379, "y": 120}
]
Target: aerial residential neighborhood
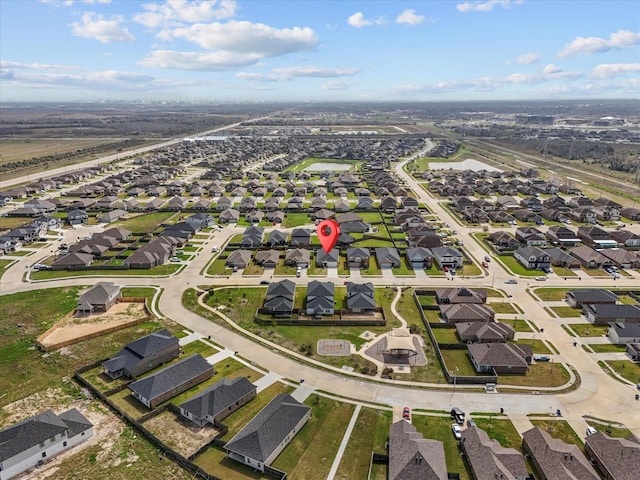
[{"x": 173, "y": 312}]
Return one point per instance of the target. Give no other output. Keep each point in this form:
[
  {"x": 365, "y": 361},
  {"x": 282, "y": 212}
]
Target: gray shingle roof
[
  {"x": 170, "y": 377},
  {"x": 488, "y": 459},
  {"x": 134, "y": 351},
  {"x": 620, "y": 456},
  {"x": 268, "y": 429},
  {"x": 100, "y": 293},
  {"x": 218, "y": 397},
  {"x": 412, "y": 457},
  {"x": 35, "y": 430}
]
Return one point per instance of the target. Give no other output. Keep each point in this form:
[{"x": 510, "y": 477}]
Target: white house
[{"x": 37, "y": 439}]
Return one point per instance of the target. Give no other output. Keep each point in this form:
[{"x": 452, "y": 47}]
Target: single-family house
[
  {"x": 622, "y": 258},
  {"x": 616, "y": 458},
  {"x": 484, "y": 332},
  {"x": 352, "y": 222},
  {"x": 358, "y": 257},
  {"x": 466, "y": 312},
  {"x": 561, "y": 235},
  {"x": 38, "y": 439},
  {"x": 171, "y": 380},
  {"x": 267, "y": 258},
  {"x": 603, "y": 314},
  {"x": 300, "y": 237},
  {"x": 320, "y": 298},
  {"x": 419, "y": 257},
  {"x": 328, "y": 259},
  {"x": 297, "y": 257},
  {"x": 142, "y": 355},
  {"x": 560, "y": 258},
  {"x": 360, "y": 297},
  {"x": 230, "y": 215},
  {"x": 279, "y": 298},
  {"x": 77, "y": 217},
  {"x": 447, "y": 257},
  {"x": 454, "y": 295},
  {"x": 99, "y": 298},
  {"x": 552, "y": 458},
  {"x": 504, "y": 240},
  {"x": 413, "y": 457},
  {"x": 626, "y": 238},
  {"x": 501, "y": 358},
  {"x": 533, "y": 257},
  {"x": 267, "y": 434},
  {"x": 387, "y": 258},
  {"x": 590, "y": 258},
  {"x": 239, "y": 259},
  {"x": 622, "y": 333},
  {"x": 219, "y": 401},
  {"x": 583, "y": 296},
  {"x": 488, "y": 459}
]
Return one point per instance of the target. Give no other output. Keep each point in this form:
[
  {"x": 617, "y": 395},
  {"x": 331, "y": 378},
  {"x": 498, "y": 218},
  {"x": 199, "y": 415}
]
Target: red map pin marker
[{"x": 328, "y": 232}]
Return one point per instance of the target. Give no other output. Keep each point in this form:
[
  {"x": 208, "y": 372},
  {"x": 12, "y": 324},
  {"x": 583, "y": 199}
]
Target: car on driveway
[
  {"x": 457, "y": 432},
  {"x": 406, "y": 413}
]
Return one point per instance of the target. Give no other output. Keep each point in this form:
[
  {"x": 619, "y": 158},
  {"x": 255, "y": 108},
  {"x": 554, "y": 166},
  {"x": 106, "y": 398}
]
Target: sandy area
[
  {"x": 180, "y": 434},
  {"x": 120, "y": 315}
]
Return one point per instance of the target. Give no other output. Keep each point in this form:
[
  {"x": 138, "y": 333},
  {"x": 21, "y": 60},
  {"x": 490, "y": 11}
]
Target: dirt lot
[
  {"x": 106, "y": 427},
  {"x": 180, "y": 434},
  {"x": 119, "y": 316}
]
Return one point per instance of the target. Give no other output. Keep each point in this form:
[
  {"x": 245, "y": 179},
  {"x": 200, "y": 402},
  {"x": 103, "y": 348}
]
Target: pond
[
  {"x": 468, "y": 164},
  {"x": 328, "y": 166}
]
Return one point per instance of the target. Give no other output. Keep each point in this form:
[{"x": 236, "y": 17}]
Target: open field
[
  {"x": 22, "y": 364},
  {"x": 559, "y": 429},
  {"x": 15, "y": 150}
]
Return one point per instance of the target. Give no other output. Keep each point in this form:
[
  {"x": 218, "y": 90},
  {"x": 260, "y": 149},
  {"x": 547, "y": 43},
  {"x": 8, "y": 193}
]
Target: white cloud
[
  {"x": 97, "y": 27},
  {"x": 410, "y": 17},
  {"x": 526, "y": 59},
  {"x": 551, "y": 68},
  {"x": 179, "y": 12},
  {"x": 486, "y": 6},
  {"x": 357, "y": 20},
  {"x": 607, "y": 70},
  {"x": 591, "y": 45},
  {"x": 248, "y": 38},
  {"x": 111, "y": 79},
  {"x": 68, "y": 3},
  {"x": 333, "y": 85},
  {"x": 36, "y": 66},
  {"x": 203, "y": 61},
  {"x": 287, "y": 73}
]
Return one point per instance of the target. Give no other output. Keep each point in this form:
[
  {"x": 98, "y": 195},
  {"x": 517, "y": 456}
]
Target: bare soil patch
[
  {"x": 179, "y": 433},
  {"x": 121, "y": 315}
]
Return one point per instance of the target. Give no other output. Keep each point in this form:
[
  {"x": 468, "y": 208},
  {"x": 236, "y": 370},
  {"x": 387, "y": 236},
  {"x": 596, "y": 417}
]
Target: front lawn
[
  {"x": 311, "y": 452},
  {"x": 439, "y": 428},
  {"x": 503, "y": 307},
  {"x": 566, "y": 312},
  {"x": 501, "y": 430},
  {"x": 559, "y": 429},
  {"x": 626, "y": 369},
  {"x": 607, "y": 347},
  {"x": 589, "y": 330},
  {"x": 551, "y": 294},
  {"x": 538, "y": 346},
  {"x": 517, "y": 268},
  {"x": 369, "y": 435},
  {"x": 295, "y": 220},
  {"x": 539, "y": 375}
]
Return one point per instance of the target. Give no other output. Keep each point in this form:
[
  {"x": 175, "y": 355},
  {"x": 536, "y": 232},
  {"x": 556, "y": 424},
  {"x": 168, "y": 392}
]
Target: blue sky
[{"x": 321, "y": 50}]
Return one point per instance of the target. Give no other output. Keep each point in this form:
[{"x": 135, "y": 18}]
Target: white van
[{"x": 591, "y": 431}]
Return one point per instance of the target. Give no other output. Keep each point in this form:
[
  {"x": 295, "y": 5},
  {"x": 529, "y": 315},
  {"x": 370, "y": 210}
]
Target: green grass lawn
[
  {"x": 404, "y": 268},
  {"x": 445, "y": 335},
  {"x": 626, "y": 369},
  {"x": 295, "y": 220},
  {"x": 502, "y": 307},
  {"x": 607, "y": 347},
  {"x": 369, "y": 435},
  {"x": 439, "y": 428},
  {"x": 146, "y": 222},
  {"x": 539, "y": 375},
  {"x": 564, "y": 272},
  {"x": 218, "y": 267},
  {"x": 501, "y": 430},
  {"x": 538, "y": 346},
  {"x": 609, "y": 428},
  {"x": 305, "y": 456},
  {"x": 551, "y": 294},
  {"x": 215, "y": 461},
  {"x": 282, "y": 269},
  {"x": 559, "y": 429},
  {"x": 160, "y": 270},
  {"x": 566, "y": 312},
  {"x": 589, "y": 330},
  {"x": 3, "y": 266},
  {"x": 458, "y": 363},
  {"x": 200, "y": 347},
  {"x": 518, "y": 325},
  {"x": 517, "y": 268},
  {"x": 27, "y": 367}
]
